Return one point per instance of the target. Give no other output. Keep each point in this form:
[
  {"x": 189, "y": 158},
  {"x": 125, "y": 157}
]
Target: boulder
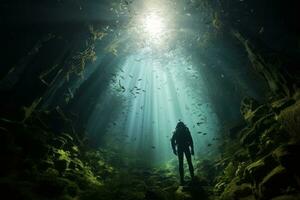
[
  {"x": 264, "y": 123},
  {"x": 287, "y": 197},
  {"x": 252, "y": 111},
  {"x": 288, "y": 156},
  {"x": 155, "y": 194},
  {"x": 61, "y": 165},
  {"x": 193, "y": 190},
  {"x": 256, "y": 171},
  {"x": 290, "y": 120},
  {"x": 241, "y": 155},
  {"x": 252, "y": 133},
  {"x": 236, "y": 191},
  {"x": 281, "y": 104},
  {"x": 248, "y": 104},
  {"x": 249, "y": 135},
  {"x": 58, "y": 142},
  {"x": 273, "y": 137},
  {"x": 258, "y": 113},
  {"x": 253, "y": 150},
  {"x": 52, "y": 186},
  {"x": 277, "y": 182},
  {"x": 234, "y": 131},
  {"x": 183, "y": 194}
]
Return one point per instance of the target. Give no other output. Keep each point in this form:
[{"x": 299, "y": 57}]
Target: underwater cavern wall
[{"x": 91, "y": 92}]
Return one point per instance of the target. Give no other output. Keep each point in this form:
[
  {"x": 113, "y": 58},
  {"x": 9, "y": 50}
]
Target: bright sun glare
[{"x": 153, "y": 26}]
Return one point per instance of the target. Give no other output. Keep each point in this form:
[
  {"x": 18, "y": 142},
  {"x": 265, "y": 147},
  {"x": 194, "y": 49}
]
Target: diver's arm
[
  {"x": 173, "y": 143},
  {"x": 191, "y": 142}
]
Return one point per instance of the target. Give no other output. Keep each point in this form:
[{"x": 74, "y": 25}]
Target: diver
[{"x": 182, "y": 139}]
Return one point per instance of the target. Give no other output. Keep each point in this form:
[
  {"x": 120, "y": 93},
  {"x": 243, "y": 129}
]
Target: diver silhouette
[{"x": 182, "y": 139}]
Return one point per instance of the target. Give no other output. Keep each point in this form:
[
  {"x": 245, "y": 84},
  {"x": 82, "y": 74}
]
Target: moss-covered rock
[
  {"x": 236, "y": 191},
  {"x": 288, "y": 155},
  {"x": 256, "y": 171},
  {"x": 290, "y": 120},
  {"x": 183, "y": 194},
  {"x": 287, "y": 197},
  {"x": 278, "y": 181},
  {"x": 52, "y": 186},
  {"x": 281, "y": 104}
]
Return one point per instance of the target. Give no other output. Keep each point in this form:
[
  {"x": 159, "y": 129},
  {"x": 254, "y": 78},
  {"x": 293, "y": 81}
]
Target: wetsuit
[{"x": 183, "y": 140}]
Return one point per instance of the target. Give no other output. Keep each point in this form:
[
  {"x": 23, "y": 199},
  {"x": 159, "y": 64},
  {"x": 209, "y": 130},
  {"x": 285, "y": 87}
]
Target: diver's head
[{"x": 180, "y": 125}]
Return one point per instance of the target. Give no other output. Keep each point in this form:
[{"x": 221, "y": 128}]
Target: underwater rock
[
  {"x": 281, "y": 104},
  {"x": 13, "y": 189},
  {"x": 58, "y": 142},
  {"x": 248, "y": 136},
  {"x": 252, "y": 133},
  {"x": 192, "y": 190},
  {"x": 155, "y": 194},
  {"x": 183, "y": 194},
  {"x": 241, "y": 155},
  {"x": 264, "y": 122},
  {"x": 76, "y": 164},
  {"x": 272, "y": 138},
  {"x": 260, "y": 112},
  {"x": 204, "y": 170},
  {"x": 230, "y": 170},
  {"x": 287, "y": 197},
  {"x": 61, "y": 165},
  {"x": 54, "y": 186},
  {"x": 290, "y": 120},
  {"x": 279, "y": 81},
  {"x": 97, "y": 193},
  {"x": 278, "y": 181},
  {"x": 45, "y": 164},
  {"x": 256, "y": 171},
  {"x": 234, "y": 131},
  {"x": 248, "y": 105},
  {"x": 288, "y": 155},
  {"x": 253, "y": 150},
  {"x": 219, "y": 187},
  {"x": 235, "y": 191}
]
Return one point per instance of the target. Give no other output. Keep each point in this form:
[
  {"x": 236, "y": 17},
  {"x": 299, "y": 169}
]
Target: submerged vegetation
[{"x": 91, "y": 92}]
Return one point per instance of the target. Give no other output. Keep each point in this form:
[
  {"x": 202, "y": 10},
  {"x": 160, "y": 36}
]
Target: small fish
[
  {"x": 261, "y": 30},
  {"x": 209, "y": 145},
  {"x": 122, "y": 87},
  {"x": 153, "y": 147},
  {"x": 204, "y": 133}
]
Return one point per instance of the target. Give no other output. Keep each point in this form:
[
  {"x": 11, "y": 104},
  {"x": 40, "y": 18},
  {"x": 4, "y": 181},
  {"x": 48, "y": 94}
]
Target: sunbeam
[{"x": 157, "y": 97}]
